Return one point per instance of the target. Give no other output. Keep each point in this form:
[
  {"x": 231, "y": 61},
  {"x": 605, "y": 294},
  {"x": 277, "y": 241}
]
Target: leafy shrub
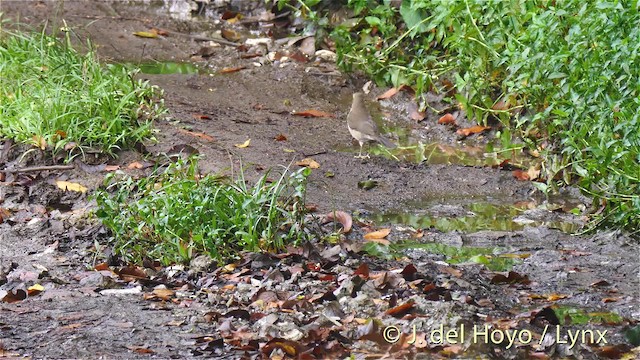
[{"x": 569, "y": 67}]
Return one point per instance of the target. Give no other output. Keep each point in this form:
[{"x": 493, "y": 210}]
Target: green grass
[
  {"x": 53, "y": 97},
  {"x": 174, "y": 214},
  {"x": 569, "y": 67}
]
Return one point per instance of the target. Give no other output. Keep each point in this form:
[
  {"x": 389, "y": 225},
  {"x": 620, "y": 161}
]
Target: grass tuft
[
  {"x": 60, "y": 100},
  {"x": 174, "y": 214}
]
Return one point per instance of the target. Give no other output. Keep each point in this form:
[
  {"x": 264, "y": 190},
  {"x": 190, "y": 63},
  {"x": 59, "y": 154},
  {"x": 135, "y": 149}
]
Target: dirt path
[{"x": 52, "y": 243}]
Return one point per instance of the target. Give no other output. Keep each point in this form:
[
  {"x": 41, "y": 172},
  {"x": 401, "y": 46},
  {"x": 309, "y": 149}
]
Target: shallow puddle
[
  {"x": 471, "y": 217},
  {"x": 164, "y": 68},
  {"x": 496, "y": 259}
]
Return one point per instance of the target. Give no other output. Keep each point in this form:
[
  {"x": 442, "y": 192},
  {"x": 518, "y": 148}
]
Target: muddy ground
[{"x": 51, "y": 241}]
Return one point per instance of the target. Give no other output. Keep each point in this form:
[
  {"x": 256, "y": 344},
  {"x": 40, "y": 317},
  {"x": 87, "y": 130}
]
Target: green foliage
[
  {"x": 174, "y": 214},
  {"x": 570, "y": 68},
  {"x": 55, "y": 97}
]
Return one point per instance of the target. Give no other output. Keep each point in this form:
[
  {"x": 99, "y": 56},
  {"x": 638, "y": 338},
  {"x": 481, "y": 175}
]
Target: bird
[{"x": 362, "y": 127}]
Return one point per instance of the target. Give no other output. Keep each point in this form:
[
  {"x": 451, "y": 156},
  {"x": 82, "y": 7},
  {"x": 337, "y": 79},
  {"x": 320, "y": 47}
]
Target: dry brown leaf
[
  {"x": 312, "y": 113},
  {"x": 111, "y": 167},
  {"x": 61, "y": 134},
  {"x": 308, "y": 162},
  {"x": 451, "y": 271},
  {"x": 342, "y": 217},
  {"x": 70, "y": 186},
  {"x": 160, "y": 31},
  {"x": 472, "y": 130},
  {"x": 520, "y": 175},
  {"x": 4, "y": 214},
  {"x": 400, "y": 310},
  {"x": 379, "y": 234},
  {"x": 135, "y": 165},
  {"x": 447, "y": 119},
  {"x": 281, "y": 137},
  {"x": 389, "y": 93},
  {"x": 533, "y": 172},
  {"x": 230, "y": 35},
  {"x": 164, "y": 294},
  {"x": 201, "y": 116},
  {"x": 200, "y": 135},
  {"x": 417, "y": 115},
  {"x": 229, "y": 70},
  {"x": 39, "y": 141}
]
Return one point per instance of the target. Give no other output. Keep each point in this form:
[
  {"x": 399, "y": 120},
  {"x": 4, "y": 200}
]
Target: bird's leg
[{"x": 360, "y": 156}]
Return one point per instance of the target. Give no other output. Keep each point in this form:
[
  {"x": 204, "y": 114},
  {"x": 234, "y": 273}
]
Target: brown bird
[{"x": 362, "y": 127}]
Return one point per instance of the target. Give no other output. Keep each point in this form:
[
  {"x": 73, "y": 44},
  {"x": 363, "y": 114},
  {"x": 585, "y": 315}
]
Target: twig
[
  {"x": 314, "y": 154},
  {"x": 40, "y": 168}
]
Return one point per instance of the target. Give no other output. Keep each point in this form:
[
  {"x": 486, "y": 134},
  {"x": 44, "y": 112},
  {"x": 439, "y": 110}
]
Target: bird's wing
[{"x": 366, "y": 127}]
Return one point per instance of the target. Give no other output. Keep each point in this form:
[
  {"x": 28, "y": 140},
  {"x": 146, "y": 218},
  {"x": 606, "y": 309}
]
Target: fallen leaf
[
  {"x": 200, "y": 135},
  {"x": 600, "y": 283},
  {"x": 61, "y": 134},
  {"x": 228, "y": 14},
  {"x": 234, "y": 19},
  {"x": 243, "y": 145},
  {"x": 298, "y": 56},
  {"x": 70, "y": 186},
  {"x": 230, "y": 35},
  {"x": 312, "y": 113},
  {"x": 342, "y": 217},
  {"x": 135, "y": 165},
  {"x": 308, "y": 162},
  {"x": 520, "y": 175},
  {"x": 101, "y": 266},
  {"x": 35, "y": 289},
  {"x": 291, "y": 348},
  {"x": 417, "y": 115},
  {"x": 451, "y": 271},
  {"x": 39, "y": 141},
  {"x": 389, "y": 93},
  {"x": 379, "y": 234},
  {"x": 472, "y": 130},
  {"x": 362, "y": 271},
  {"x": 131, "y": 273},
  {"x": 229, "y": 70},
  {"x": 111, "y": 167},
  {"x": 4, "y": 214},
  {"x": 400, "y": 310},
  {"x": 280, "y": 137},
  {"x": 201, "y": 117},
  {"x": 141, "y": 350},
  {"x": 447, "y": 119},
  {"x": 160, "y": 31},
  {"x": 151, "y": 34},
  {"x": 512, "y": 277},
  {"x": 533, "y": 172},
  {"x": 610, "y": 299},
  {"x": 367, "y": 184},
  {"x": 163, "y": 294}
]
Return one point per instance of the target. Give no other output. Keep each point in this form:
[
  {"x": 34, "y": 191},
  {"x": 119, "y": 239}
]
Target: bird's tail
[{"x": 386, "y": 142}]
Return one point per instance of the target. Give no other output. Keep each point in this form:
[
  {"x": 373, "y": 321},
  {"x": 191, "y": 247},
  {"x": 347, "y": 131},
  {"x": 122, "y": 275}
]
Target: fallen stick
[{"x": 40, "y": 168}]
